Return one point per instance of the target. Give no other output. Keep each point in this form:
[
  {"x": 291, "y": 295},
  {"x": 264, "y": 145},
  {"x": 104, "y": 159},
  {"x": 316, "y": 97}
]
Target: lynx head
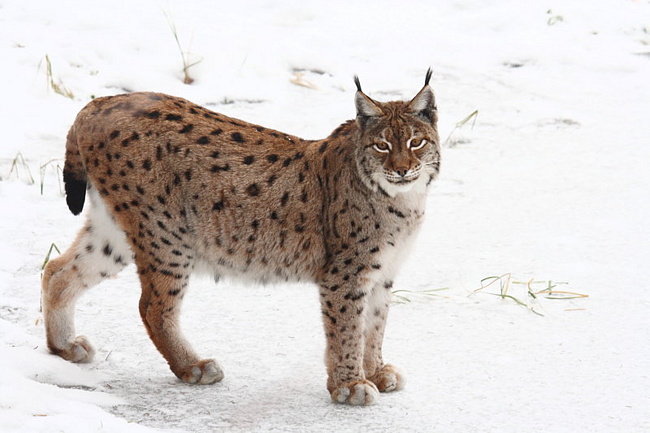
[{"x": 398, "y": 141}]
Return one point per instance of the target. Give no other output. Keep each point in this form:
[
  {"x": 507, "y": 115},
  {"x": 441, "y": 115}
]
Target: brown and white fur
[{"x": 177, "y": 188}]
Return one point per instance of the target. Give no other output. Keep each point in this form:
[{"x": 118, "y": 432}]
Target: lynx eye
[
  {"x": 415, "y": 145},
  {"x": 381, "y": 147}
]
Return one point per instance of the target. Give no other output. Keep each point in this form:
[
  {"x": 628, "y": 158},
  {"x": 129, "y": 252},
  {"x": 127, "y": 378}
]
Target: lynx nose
[{"x": 402, "y": 171}]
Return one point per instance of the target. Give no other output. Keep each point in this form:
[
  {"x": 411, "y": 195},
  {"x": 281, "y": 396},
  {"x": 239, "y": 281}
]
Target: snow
[{"x": 551, "y": 184}]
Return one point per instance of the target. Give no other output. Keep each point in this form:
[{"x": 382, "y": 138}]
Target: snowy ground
[{"x": 550, "y": 184}]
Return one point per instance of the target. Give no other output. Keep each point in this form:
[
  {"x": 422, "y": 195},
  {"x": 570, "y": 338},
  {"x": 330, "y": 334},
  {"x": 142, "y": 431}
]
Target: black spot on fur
[
  {"x": 217, "y": 168},
  {"x": 174, "y": 117},
  {"x": 203, "y": 140},
  {"x": 186, "y": 129},
  {"x": 322, "y": 147},
  {"x": 237, "y": 137},
  {"x": 396, "y": 212},
  {"x": 253, "y": 190},
  {"x": 248, "y": 160}
]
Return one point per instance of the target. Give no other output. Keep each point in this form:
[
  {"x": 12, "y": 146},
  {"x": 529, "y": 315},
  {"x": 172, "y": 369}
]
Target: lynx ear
[
  {"x": 424, "y": 103},
  {"x": 366, "y": 107}
]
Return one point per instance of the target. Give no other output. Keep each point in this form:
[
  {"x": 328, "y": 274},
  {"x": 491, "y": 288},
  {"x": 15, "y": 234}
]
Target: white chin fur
[{"x": 392, "y": 189}]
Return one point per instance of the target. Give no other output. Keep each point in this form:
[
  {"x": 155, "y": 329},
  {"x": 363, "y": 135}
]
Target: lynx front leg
[
  {"x": 343, "y": 316},
  {"x": 385, "y": 376},
  {"x": 162, "y": 292}
]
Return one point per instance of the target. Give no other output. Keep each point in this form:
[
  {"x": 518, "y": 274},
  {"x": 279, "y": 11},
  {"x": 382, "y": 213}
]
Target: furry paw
[
  {"x": 388, "y": 379},
  {"x": 78, "y": 350},
  {"x": 203, "y": 372},
  {"x": 357, "y": 393}
]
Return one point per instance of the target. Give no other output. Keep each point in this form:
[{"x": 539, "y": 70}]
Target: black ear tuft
[
  {"x": 358, "y": 83},
  {"x": 428, "y": 77},
  {"x": 366, "y": 107}
]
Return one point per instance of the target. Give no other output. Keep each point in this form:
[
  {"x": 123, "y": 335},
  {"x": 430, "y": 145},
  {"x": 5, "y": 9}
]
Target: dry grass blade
[
  {"x": 53, "y": 247},
  {"x": 550, "y": 293},
  {"x": 17, "y": 163},
  {"x": 59, "y": 172},
  {"x": 531, "y": 295},
  {"x": 402, "y": 295},
  {"x": 470, "y": 117},
  {"x": 57, "y": 86},
  {"x": 562, "y": 294},
  {"x": 299, "y": 80},
  {"x": 185, "y": 56}
]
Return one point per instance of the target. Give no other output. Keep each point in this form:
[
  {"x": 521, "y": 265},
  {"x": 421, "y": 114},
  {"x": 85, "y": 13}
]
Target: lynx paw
[
  {"x": 78, "y": 350},
  {"x": 388, "y": 379},
  {"x": 203, "y": 372},
  {"x": 357, "y": 393}
]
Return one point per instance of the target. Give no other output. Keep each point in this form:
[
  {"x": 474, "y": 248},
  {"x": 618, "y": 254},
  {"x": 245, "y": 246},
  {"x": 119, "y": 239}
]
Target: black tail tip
[{"x": 75, "y": 195}]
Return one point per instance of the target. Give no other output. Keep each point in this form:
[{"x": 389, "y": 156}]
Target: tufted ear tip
[
  {"x": 427, "y": 78},
  {"x": 366, "y": 106},
  {"x": 358, "y": 83},
  {"x": 424, "y": 103}
]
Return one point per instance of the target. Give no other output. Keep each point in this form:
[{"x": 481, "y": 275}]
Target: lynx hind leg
[
  {"x": 99, "y": 251},
  {"x": 160, "y": 304}
]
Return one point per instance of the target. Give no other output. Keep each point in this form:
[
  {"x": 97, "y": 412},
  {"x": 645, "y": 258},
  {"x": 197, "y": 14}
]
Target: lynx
[{"x": 177, "y": 189}]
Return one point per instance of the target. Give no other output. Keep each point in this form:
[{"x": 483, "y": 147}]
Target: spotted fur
[{"x": 177, "y": 188}]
